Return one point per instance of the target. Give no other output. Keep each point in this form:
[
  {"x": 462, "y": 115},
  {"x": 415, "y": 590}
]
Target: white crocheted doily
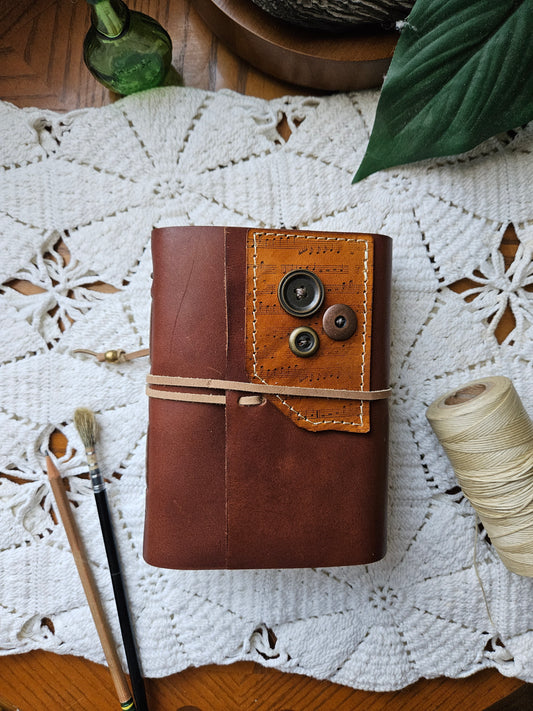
[{"x": 96, "y": 181}]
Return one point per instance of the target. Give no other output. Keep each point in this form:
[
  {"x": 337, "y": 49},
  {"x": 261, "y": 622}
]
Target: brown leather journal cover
[{"x": 293, "y": 481}]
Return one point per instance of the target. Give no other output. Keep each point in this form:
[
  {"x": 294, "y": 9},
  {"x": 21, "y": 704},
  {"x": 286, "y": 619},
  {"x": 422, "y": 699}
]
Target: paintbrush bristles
[{"x": 87, "y": 427}]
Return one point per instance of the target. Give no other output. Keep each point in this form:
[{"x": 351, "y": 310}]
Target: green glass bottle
[{"x": 125, "y": 50}]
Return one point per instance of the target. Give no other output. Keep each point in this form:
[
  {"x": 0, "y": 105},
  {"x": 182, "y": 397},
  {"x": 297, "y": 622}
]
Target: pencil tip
[
  {"x": 85, "y": 423},
  {"x": 51, "y": 469}
]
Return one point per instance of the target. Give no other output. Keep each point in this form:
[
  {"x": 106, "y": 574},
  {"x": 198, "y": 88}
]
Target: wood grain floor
[{"x": 41, "y": 65}]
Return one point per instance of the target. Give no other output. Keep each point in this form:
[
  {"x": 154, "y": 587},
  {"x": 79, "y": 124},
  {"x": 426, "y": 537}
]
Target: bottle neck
[{"x": 109, "y": 17}]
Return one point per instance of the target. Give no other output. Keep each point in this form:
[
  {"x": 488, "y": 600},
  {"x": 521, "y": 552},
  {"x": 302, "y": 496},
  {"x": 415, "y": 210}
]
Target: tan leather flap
[{"x": 344, "y": 264}]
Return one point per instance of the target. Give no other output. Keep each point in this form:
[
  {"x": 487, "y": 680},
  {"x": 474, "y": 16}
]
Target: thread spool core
[{"x": 464, "y": 394}]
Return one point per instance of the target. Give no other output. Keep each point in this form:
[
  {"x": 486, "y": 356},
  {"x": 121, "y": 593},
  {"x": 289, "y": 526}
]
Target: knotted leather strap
[
  {"x": 116, "y": 355},
  {"x": 256, "y": 388}
]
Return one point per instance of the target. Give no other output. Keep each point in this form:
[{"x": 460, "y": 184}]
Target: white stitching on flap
[{"x": 365, "y": 319}]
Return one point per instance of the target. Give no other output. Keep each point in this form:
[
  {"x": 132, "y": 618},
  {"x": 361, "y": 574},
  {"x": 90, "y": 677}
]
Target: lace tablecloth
[{"x": 79, "y": 193}]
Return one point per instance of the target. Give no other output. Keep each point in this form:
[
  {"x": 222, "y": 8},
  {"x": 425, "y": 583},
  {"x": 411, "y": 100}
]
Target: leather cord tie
[
  {"x": 117, "y": 355},
  {"x": 255, "y": 388}
]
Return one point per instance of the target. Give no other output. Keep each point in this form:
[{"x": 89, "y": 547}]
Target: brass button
[
  {"x": 339, "y": 322},
  {"x": 304, "y": 341},
  {"x": 301, "y": 293}
]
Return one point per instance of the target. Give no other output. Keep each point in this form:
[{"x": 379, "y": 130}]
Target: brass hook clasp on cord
[{"x": 117, "y": 355}]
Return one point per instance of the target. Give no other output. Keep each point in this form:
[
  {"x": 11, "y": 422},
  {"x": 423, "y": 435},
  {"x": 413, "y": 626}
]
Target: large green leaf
[{"x": 462, "y": 71}]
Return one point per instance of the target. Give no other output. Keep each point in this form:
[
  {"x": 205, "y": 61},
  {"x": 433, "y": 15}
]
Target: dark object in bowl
[
  {"x": 329, "y": 61},
  {"x": 337, "y": 15}
]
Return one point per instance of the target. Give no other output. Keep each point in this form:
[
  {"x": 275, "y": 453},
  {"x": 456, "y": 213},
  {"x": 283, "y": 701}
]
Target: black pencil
[{"x": 87, "y": 427}]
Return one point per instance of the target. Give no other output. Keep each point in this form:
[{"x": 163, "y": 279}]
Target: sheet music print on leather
[{"x": 344, "y": 263}]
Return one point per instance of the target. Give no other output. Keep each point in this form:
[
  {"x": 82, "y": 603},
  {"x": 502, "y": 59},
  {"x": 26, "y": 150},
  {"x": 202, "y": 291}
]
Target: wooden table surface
[{"x": 41, "y": 65}]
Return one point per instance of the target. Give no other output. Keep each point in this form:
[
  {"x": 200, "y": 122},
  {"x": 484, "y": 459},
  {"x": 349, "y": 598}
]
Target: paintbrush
[
  {"x": 87, "y": 427},
  {"x": 90, "y": 589},
  {"x": 6, "y": 705}
]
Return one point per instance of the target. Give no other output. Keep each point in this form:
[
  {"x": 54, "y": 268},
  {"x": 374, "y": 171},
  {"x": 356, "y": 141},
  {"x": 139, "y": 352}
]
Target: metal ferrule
[{"x": 97, "y": 480}]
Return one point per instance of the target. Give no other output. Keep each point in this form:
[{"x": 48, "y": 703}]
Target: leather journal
[{"x": 268, "y": 414}]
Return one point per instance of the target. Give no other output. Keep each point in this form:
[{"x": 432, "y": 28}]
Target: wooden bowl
[{"x": 325, "y": 61}]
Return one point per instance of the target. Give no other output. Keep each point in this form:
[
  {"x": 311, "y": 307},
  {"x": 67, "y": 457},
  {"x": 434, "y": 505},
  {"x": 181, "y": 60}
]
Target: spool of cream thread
[{"x": 488, "y": 438}]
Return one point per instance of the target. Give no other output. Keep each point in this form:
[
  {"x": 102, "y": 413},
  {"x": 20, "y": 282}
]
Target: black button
[
  {"x": 304, "y": 341},
  {"x": 339, "y": 322},
  {"x": 301, "y": 293}
]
